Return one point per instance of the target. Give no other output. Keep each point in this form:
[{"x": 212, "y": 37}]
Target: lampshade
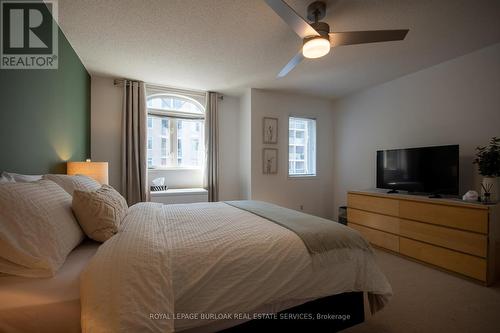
[
  {"x": 95, "y": 170},
  {"x": 316, "y": 47}
]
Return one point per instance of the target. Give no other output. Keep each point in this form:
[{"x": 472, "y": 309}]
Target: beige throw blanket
[{"x": 318, "y": 234}]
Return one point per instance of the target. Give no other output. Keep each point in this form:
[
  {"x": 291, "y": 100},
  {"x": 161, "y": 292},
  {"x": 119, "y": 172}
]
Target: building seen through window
[{"x": 175, "y": 132}]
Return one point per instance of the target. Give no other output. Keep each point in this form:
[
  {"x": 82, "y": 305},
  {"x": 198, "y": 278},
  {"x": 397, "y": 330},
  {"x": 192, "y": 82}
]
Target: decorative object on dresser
[
  {"x": 488, "y": 161},
  {"x": 457, "y": 236},
  {"x": 270, "y": 133},
  {"x": 470, "y": 196},
  {"x": 270, "y": 161},
  {"x": 94, "y": 170},
  {"x": 487, "y": 189}
]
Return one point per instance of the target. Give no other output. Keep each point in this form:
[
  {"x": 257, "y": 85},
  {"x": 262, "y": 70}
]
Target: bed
[
  {"x": 49, "y": 305},
  {"x": 194, "y": 267}
]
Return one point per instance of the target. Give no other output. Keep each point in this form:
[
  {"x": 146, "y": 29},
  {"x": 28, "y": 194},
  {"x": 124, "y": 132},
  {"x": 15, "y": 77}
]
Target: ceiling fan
[{"x": 317, "y": 38}]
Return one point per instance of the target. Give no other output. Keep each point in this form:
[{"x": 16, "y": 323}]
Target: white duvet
[{"x": 208, "y": 260}]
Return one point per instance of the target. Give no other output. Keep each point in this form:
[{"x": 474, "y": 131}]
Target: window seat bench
[{"x": 180, "y": 196}]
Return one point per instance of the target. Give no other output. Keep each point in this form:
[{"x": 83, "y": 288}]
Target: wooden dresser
[{"x": 451, "y": 234}]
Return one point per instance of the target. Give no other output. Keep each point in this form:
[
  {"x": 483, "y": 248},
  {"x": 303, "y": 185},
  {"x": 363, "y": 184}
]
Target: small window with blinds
[{"x": 175, "y": 132}]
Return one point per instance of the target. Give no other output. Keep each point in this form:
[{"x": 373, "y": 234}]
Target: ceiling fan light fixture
[{"x": 316, "y": 47}]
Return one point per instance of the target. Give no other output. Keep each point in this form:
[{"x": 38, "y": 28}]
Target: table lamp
[{"x": 95, "y": 170}]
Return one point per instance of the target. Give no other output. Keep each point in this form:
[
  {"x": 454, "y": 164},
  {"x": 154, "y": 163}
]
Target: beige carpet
[{"x": 428, "y": 300}]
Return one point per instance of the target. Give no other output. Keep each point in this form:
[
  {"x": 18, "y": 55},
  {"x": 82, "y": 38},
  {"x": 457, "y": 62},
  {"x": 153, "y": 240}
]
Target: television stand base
[
  {"x": 435, "y": 196},
  {"x": 392, "y": 191}
]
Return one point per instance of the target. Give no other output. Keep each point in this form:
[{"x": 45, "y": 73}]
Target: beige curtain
[
  {"x": 134, "y": 139},
  {"x": 211, "y": 178}
]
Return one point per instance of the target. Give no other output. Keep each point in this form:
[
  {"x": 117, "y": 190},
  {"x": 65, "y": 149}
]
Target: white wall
[
  {"x": 106, "y": 111},
  {"x": 106, "y": 122},
  {"x": 314, "y": 194},
  {"x": 455, "y": 102}
]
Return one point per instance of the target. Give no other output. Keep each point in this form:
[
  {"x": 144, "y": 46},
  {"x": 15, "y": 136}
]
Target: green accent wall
[{"x": 45, "y": 115}]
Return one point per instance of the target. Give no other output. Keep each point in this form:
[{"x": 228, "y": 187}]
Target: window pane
[
  {"x": 163, "y": 146},
  {"x": 174, "y": 103},
  {"x": 302, "y": 147},
  {"x": 175, "y": 143},
  {"x": 189, "y": 136},
  {"x": 164, "y": 126}
]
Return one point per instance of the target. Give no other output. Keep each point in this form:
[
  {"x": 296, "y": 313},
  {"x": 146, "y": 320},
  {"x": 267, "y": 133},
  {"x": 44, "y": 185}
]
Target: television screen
[{"x": 421, "y": 170}]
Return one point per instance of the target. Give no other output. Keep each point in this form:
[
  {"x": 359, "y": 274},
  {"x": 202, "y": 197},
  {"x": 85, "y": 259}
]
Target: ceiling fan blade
[
  {"x": 361, "y": 37},
  {"x": 294, "y": 20},
  {"x": 291, "y": 64}
]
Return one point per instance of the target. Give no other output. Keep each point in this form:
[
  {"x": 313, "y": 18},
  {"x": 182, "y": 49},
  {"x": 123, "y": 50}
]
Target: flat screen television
[{"x": 425, "y": 170}]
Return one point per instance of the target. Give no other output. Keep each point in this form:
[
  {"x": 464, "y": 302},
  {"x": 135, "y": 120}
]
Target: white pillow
[
  {"x": 38, "y": 229},
  {"x": 21, "y": 178},
  {"x": 6, "y": 178},
  {"x": 100, "y": 212},
  {"x": 72, "y": 183}
]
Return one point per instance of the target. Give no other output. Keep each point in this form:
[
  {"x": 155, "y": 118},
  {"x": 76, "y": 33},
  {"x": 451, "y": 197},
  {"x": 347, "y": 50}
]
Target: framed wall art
[
  {"x": 270, "y": 130},
  {"x": 270, "y": 161}
]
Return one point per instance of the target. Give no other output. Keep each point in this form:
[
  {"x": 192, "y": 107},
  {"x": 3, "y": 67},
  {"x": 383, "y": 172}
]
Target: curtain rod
[{"x": 201, "y": 93}]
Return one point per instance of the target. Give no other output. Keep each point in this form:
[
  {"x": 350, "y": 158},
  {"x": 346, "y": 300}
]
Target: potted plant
[{"x": 488, "y": 161}]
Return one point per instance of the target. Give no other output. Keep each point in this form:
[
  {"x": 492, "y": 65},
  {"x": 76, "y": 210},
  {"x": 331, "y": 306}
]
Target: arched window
[
  {"x": 175, "y": 132},
  {"x": 175, "y": 103}
]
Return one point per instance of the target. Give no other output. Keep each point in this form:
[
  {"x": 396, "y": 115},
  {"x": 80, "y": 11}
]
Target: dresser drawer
[
  {"x": 451, "y": 216},
  {"x": 373, "y": 204},
  {"x": 373, "y": 220},
  {"x": 459, "y": 240},
  {"x": 379, "y": 238},
  {"x": 454, "y": 261}
]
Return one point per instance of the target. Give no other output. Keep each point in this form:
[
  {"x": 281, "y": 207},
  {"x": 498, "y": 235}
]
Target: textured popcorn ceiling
[{"x": 227, "y": 45}]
